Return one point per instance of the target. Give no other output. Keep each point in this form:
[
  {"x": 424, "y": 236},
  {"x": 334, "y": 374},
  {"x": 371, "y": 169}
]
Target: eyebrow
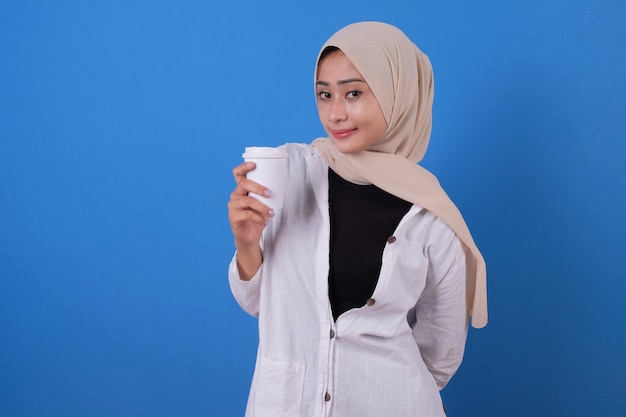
[{"x": 341, "y": 82}]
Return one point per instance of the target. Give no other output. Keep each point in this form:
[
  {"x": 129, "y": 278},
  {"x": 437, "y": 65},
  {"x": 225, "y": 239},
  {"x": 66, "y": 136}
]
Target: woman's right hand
[{"x": 248, "y": 217}]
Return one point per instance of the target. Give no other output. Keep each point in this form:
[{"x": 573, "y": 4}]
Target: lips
[{"x": 343, "y": 133}]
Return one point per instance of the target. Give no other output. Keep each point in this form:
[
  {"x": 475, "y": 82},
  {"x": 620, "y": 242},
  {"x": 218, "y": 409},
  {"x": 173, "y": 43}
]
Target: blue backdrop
[{"x": 120, "y": 122}]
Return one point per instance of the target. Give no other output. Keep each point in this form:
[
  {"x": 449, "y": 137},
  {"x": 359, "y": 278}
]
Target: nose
[{"x": 338, "y": 111}]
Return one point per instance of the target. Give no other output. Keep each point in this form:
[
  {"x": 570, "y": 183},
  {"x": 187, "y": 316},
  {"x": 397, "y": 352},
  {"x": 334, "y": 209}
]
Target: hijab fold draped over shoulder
[{"x": 401, "y": 78}]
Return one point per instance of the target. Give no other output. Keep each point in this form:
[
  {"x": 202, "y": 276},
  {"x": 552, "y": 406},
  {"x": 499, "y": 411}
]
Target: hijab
[{"x": 401, "y": 78}]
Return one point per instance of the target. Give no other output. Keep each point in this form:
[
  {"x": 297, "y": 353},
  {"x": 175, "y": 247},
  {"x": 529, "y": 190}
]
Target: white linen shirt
[{"x": 388, "y": 358}]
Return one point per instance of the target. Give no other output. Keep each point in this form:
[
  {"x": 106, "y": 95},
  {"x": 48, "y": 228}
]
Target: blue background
[{"x": 120, "y": 122}]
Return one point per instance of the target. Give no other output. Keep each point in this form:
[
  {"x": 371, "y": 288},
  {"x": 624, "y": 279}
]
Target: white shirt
[{"x": 388, "y": 358}]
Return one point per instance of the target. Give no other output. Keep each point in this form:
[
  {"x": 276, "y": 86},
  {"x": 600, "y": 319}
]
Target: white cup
[{"x": 270, "y": 172}]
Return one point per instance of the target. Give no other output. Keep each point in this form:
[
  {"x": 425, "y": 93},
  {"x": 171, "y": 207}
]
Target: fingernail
[
  {"x": 267, "y": 193},
  {"x": 271, "y": 213},
  {"x": 249, "y": 164}
]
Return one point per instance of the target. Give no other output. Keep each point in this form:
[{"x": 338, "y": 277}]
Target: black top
[{"x": 362, "y": 218}]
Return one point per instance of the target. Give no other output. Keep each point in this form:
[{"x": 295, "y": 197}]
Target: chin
[{"x": 344, "y": 147}]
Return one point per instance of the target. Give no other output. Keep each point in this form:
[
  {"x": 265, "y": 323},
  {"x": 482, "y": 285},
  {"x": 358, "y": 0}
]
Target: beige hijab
[{"x": 401, "y": 78}]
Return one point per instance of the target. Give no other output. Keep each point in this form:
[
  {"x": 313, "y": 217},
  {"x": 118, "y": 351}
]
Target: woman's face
[{"x": 347, "y": 107}]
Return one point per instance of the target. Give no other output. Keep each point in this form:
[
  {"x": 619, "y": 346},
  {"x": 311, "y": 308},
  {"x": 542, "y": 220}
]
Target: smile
[{"x": 342, "y": 134}]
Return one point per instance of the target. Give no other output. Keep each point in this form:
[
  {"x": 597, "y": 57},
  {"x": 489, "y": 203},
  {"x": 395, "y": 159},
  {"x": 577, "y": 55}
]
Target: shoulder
[
  {"x": 444, "y": 248},
  {"x": 431, "y": 222},
  {"x": 434, "y": 236},
  {"x": 299, "y": 150},
  {"x": 306, "y": 166},
  {"x": 302, "y": 156}
]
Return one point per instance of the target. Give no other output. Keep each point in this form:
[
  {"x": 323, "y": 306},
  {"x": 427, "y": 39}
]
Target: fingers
[
  {"x": 242, "y": 207},
  {"x": 244, "y": 185},
  {"x": 246, "y": 208},
  {"x": 247, "y": 215},
  {"x": 240, "y": 171}
]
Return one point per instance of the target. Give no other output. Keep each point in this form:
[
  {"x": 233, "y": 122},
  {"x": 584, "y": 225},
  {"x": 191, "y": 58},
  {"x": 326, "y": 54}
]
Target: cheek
[
  {"x": 323, "y": 108},
  {"x": 382, "y": 123},
  {"x": 372, "y": 114},
  {"x": 379, "y": 117},
  {"x": 378, "y": 124},
  {"x": 323, "y": 117},
  {"x": 366, "y": 111},
  {"x": 320, "y": 113}
]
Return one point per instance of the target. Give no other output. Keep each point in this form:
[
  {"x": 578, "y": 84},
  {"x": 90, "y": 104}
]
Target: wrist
[{"x": 249, "y": 260}]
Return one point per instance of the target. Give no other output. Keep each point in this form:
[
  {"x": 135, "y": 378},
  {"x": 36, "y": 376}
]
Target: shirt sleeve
[
  {"x": 246, "y": 293},
  {"x": 440, "y": 326}
]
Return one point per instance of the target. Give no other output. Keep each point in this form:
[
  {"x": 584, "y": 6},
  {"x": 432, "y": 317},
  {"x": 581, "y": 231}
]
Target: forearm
[
  {"x": 249, "y": 260},
  {"x": 441, "y": 320},
  {"x": 442, "y": 348},
  {"x": 246, "y": 293}
]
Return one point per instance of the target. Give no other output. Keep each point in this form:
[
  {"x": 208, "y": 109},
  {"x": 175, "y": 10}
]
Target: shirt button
[
  {"x": 370, "y": 302},
  {"x": 327, "y": 397},
  {"x": 391, "y": 239},
  {"x": 332, "y": 333}
]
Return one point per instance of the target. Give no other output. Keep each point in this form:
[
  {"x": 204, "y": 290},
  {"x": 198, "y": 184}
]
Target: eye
[
  {"x": 354, "y": 93},
  {"x": 323, "y": 95}
]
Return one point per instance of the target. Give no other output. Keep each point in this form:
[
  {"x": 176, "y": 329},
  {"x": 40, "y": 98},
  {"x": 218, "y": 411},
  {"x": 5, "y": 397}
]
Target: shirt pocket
[{"x": 279, "y": 386}]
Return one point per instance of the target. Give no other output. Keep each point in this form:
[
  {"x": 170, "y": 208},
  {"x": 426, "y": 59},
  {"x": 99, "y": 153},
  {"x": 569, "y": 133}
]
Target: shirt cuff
[{"x": 245, "y": 292}]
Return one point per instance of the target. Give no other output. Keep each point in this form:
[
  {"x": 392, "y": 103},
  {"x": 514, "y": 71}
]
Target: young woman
[{"x": 363, "y": 283}]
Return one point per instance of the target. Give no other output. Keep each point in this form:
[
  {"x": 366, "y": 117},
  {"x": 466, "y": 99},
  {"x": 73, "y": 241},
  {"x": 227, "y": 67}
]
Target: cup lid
[{"x": 263, "y": 152}]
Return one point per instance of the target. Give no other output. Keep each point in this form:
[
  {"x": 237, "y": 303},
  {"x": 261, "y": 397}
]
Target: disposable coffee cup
[{"x": 270, "y": 172}]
